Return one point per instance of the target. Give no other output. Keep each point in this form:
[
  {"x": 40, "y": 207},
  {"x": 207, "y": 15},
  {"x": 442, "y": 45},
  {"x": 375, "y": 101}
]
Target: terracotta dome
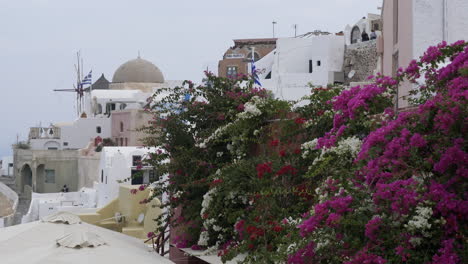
[{"x": 138, "y": 71}]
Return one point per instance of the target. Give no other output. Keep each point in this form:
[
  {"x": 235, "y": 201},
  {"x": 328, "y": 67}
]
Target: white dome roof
[{"x": 138, "y": 71}]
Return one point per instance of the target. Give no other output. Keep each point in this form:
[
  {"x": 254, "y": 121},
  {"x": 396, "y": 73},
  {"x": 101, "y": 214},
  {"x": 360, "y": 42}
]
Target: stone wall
[
  {"x": 8, "y": 205},
  {"x": 63, "y": 162},
  {"x": 88, "y": 170},
  {"x": 361, "y": 59}
]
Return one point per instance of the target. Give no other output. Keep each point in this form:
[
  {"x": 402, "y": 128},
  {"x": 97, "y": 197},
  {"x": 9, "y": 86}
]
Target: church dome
[{"x": 138, "y": 71}]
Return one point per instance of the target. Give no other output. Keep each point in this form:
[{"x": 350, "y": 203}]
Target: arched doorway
[
  {"x": 26, "y": 176},
  {"x": 52, "y": 145},
  {"x": 40, "y": 178},
  {"x": 355, "y": 34}
]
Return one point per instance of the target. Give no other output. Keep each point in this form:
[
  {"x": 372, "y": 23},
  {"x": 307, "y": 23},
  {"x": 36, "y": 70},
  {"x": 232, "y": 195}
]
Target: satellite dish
[
  {"x": 351, "y": 74},
  {"x": 140, "y": 218}
]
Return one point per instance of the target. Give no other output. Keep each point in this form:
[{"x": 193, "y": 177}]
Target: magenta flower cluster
[
  {"x": 326, "y": 213},
  {"x": 414, "y": 169},
  {"x": 352, "y": 103}
]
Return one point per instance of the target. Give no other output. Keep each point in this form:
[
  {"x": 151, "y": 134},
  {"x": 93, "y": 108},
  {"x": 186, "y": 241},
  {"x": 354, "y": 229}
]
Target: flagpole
[
  {"x": 89, "y": 95},
  {"x": 78, "y": 84},
  {"x": 81, "y": 91},
  {"x": 251, "y": 64},
  {"x": 274, "y": 23}
]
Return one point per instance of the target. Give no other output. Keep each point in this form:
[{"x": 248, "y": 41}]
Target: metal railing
[{"x": 160, "y": 240}]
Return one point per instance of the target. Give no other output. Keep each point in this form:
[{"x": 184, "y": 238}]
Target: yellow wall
[{"x": 128, "y": 205}]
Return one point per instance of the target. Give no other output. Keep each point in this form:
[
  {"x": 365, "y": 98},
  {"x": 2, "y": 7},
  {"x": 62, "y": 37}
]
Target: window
[
  {"x": 99, "y": 109},
  {"x": 121, "y": 126},
  {"x": 137, "y": 177},
  {"x": 98, "y": 130},
  {"x": 126, "y": 141},
  {"x": 123, "y": 106},
  {"x": 65, "y": 143},
  {"x": 375, "y": 26},
  {"x": 136, "y": 160},
  {"x": 102, "y": 176},
  {"x": 231, "y": 71},
  {"x": 319, "y": 63},
  {"x": 49, "y": 176},
  {"x": 52, "y": 148},
  {"x": 117, "y": 141},
  {"x": 310, "y": 66},
  {"x": 121, "y": 142},
  {"x": 110, "y": 107},
  {"x": 152, "y": 176},
  {"x": 10, "y": 165}
]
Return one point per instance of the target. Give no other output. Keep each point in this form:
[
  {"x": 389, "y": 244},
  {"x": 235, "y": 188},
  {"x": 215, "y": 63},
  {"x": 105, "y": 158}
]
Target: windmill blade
[{"x": 64, "y": 90}]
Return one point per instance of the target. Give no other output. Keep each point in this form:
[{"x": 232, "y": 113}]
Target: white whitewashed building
[
  {"x": 297, "y": 62},
  {"x": 118, "y": 165}
]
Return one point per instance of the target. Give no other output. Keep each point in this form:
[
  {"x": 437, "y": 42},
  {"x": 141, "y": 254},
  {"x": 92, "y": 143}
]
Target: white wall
[
  {"x": 42, "y": 143},
  {"x": 134, "y": 99},
  {"x": 427, "y": 25},
  {"x": 83, "y": 131},
  {"x": 290, "y": 66},
  {"x": 77, "y": 134},
  {"x": 116, "y": 165},
  {"x": 134, "y": 95},
  {"x": 457, "y": 22},
  {"x": 44, "y": 204},
  {"x": 437, "y": 20}
]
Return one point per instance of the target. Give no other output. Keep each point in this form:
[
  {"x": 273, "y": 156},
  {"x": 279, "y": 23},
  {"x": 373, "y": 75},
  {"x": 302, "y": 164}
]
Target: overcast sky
[{"x": 39, "y": 40}]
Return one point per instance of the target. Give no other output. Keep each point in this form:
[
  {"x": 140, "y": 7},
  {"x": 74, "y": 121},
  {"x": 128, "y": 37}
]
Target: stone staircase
[{"x": 23, "y": 201}]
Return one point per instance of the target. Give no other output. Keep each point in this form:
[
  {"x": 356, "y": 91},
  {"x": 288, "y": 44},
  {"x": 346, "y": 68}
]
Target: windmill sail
[{"x": 80, "y": 82}]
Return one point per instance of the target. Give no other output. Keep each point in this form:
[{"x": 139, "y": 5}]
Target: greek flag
[
  {"x": 87, "y": 79},
  {"x": 254, "y": 74}
]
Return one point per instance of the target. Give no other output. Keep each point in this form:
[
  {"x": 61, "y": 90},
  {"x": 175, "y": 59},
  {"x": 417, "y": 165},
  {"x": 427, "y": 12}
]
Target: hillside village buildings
[
  {"x": 96, "y": 155},
  {"x": 286, "y": 66},
  {"x": 113, "y": 113},
  {"x": 102, "y": 148},
  {"x": 315, "y": 58}
]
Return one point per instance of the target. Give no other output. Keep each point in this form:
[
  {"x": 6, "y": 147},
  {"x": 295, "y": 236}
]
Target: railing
[{"x": 160, "y": 240}]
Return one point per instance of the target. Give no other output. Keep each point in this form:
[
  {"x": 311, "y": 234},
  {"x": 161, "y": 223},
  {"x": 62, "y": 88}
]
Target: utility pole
[{"x": 274, "y": 23}]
